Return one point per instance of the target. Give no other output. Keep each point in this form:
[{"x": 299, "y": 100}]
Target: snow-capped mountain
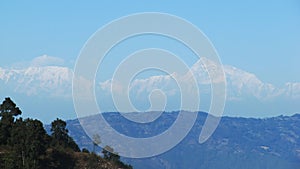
[
  {"x": 57, "y": 81},
  {"x": 241, "y": 86},
  {"x": 241, "y": 83},
  {"x": 49, "y": 80}
]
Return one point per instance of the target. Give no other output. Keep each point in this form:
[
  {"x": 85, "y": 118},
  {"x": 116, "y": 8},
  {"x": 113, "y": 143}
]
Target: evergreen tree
[
  {"x": 96, "y": 141},
  {"x": 28, "y": 139},
  {"x": 109, "y": 154},
  {"x": 24, "y": 144},
  {"x": 60, "y": 135},
  {"x": 8, "y": 111}
]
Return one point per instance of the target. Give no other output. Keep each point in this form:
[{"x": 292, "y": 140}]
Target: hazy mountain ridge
[
  {"x": 49, "y": 80},
  {"x": 247, "y": 95},
  {"x": 58, "y": 80},
  {"x": 237, "y": 143}
]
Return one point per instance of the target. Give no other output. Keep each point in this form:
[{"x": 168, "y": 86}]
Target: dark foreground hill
[
  {"x": 24, "y": 144},
  {"x": 238, "y": 143}
]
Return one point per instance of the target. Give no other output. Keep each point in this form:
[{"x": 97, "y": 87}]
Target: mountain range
[
  {"x": 56, "y": 80},
  {"x": 247, "y": 95},
  {"x": 248, "y": 143}
]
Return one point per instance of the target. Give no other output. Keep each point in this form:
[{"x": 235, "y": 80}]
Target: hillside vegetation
[
  {"x": 237, "y": 143},
  {"x": 24, "y": 144}
]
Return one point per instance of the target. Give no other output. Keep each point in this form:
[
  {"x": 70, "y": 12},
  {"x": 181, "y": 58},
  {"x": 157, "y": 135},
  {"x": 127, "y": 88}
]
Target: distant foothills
[
  {"x": 247, "y": 143},
  {"x": 25, "y": 144},
  {"x": 237, "y": 143}
]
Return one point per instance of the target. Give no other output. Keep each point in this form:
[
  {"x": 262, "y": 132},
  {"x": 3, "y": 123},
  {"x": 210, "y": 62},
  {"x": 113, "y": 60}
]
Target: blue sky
[{"x": 258, "y": 37}]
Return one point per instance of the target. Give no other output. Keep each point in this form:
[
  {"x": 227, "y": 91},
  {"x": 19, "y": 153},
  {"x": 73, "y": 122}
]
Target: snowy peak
[
  {"x": 57, "y": 81},
  {"x": 241, "y": 84},
  {"x": 50, "y": 80}
]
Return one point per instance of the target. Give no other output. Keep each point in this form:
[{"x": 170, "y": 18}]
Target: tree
[
  {"x": 112, "y": 156},
  {"x": 8, "y": 110},
  {"x": 28, "y": 139},
  {"x": 85, "y": 150},
  {"x": 96, "y": 141},
  {"x": 109, "y": 154},
  {"x": 58, "y": 129},
  {"x": 9, "y": 107},
  {"x": 60, "y": 135}
]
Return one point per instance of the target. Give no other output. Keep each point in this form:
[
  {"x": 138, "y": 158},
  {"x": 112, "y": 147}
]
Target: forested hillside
[
  {"x": 237, "y": 143},
  {"x": 24, "y": 144}
]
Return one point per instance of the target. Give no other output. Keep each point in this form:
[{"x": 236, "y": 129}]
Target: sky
[{"x": 261, "y": 37}]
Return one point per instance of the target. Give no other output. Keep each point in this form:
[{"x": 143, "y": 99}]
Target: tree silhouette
[
  {"x": 29, "y": 144},
  {"x": 109, "y": 154},
  {"x": 8, "y": 110},
  {"x": 60, "y": 135},
  {"x": 24, "y": 144},
  {"x": 96, "y": 141}
]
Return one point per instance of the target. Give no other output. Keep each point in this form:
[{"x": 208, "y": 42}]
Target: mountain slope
[
  {"x": 57, "y": 80},
  {"x": 271, "y": 143},
  {"x": 247, "y": 95},
  {"x": 47, "y": 80}
]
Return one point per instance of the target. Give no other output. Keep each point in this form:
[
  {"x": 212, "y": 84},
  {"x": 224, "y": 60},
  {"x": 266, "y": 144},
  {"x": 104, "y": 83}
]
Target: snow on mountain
[
  {"x": 46, "y": 60},
  {"x": 57, "y": 81},
  {"x": 292, "y": 90},
  {"x": 206, "y": 71},
  {"x": 240, "y": 84},
  {"x": 49, "y": 80}
]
